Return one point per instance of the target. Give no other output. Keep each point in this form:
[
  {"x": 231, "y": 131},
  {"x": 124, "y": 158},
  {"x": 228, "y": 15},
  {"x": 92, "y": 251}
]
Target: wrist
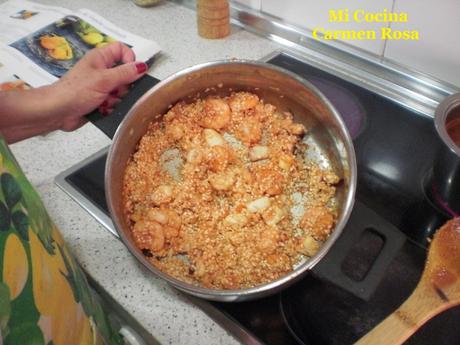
[{"x": 55, "y": 103}]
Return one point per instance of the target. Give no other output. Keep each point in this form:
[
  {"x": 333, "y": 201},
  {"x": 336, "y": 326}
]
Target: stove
[{"x": 377, "y": 261}]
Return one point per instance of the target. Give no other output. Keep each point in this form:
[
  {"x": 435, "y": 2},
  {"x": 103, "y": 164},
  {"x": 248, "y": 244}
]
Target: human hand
[{"x": 95, "y": 81}]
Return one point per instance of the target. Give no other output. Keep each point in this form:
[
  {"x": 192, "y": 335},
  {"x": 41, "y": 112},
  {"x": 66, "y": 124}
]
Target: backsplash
[{"x": 436, "y": 52}]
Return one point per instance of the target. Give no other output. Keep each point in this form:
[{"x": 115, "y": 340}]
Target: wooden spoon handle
[{"x": 422, "y": 305}]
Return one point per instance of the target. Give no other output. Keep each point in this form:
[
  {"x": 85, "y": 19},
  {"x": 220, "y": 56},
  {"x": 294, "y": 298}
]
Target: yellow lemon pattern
[
  {"x": 15, "y": 265},
  {"x": 44, "y": 295}
]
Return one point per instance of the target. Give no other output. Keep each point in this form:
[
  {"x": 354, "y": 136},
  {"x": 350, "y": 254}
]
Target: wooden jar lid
[{"x": 213, "y": 18}]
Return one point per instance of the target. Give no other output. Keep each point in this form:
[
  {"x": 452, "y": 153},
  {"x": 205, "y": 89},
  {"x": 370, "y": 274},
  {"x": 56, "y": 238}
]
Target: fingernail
[
  {"x": 114, "y": 92},
  {"x": 104, "y": 104},
  {"x": 141, "y": 67},
  {"x": 103, "y": 111}
]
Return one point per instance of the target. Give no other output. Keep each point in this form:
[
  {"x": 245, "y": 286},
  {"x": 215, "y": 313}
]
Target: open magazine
[{"x": 38, "y": 43}]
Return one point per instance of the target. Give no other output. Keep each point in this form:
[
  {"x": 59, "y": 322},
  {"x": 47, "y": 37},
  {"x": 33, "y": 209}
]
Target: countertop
[{"x": 158, "y": 307}]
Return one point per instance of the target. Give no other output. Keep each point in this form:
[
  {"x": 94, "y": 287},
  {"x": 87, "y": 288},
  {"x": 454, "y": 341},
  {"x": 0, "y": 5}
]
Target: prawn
[
  {"x": 269, "y": 181},
  {"x": 249, "y": 131},
  {"x": 149, "y": 235},
  {"x": 242, "y": 101},
  {"x": 318, "y": 221},
  {"x": 222, "y": 181},
  {"x": 217, "y": 114},
  {"x": 162, "y": 195},
  {"x": 219, "y": 158}
]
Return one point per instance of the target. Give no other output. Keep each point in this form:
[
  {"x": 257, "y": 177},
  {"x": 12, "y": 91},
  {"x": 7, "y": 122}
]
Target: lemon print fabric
[
  {"x": 15, "y": 265},
  {"x": 45, "y": 298}
]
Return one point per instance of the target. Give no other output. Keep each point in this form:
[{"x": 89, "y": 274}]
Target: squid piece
[
  {"x": 258, "y": 205},
  {"x": 213, "y": 138},
  {"x": 257, "y": 153},
  {"x": 162, "y": 195}
]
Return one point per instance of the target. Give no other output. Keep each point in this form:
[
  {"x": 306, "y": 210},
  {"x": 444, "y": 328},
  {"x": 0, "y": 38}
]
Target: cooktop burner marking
[{"x": 347, "y": 104}]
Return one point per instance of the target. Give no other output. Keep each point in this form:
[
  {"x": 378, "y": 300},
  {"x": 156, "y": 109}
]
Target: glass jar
[{"x": 146, "y": 3}]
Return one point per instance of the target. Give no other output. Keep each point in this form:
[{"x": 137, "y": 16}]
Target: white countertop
[{"x": 159, "y": 308}]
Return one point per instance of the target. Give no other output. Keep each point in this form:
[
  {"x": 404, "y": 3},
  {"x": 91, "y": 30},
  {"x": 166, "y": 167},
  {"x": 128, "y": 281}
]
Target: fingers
[
  {"x": 120, "y": 91},
  {"x": 73, "y": 124},
  {"x": 124, "y": 74},
  {"x": 113, "y": 99},
  {"x": 109, "y": 103},
  {"x": 114, "y": 53}
]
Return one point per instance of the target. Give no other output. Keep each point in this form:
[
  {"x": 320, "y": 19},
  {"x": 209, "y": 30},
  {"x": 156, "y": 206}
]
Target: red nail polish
[
  {"x": 141, "y": 67},
  {"x": 114, "y": 92},
  {"x": 104, "y": 104}
]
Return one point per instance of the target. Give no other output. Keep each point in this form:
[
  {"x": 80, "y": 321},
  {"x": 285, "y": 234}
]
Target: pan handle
[
  {"x": 359, "y": 258},
  {"x": 109, "y": 123}
]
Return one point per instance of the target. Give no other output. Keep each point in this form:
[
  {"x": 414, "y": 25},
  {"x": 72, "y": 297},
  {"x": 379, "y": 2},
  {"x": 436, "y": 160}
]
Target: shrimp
[
  {"x": 242, "y": 101},
  {"x": 273, "y": 215},
  {"x": 249, "y": 131},
  {"x": 286, "y": 161},
  {"x": 170, "y": 232},
  {"x": 222, "y": 181},
  {"x": 169, "y": 221},
  {"x": 236, "y": 219},
  {"x": 330, "y": 178},
  {"x": 164, "y": 216},
  {"x": 269, "y": 181},
  {"x": 162, "y": 195},
  {"x": 318, "y": 221},
  {"x": 219, "y": 158},
  {"x": 174, "y": 220},
  {"x": 297, "y": 129},
  {"x": 217, "y": 114},
  {"x": 149, "y": 235},
  {"x": 194, "y": 156},
  {"x": 175, "y": 131},
  {"x": 308, "y": 245},
  {"x": 157, "y": 215},
  {"x": 269, "y": 240}
]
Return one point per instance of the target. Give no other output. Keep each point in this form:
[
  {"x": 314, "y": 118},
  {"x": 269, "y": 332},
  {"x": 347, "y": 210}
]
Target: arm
[{"x": 93, "y": 82}]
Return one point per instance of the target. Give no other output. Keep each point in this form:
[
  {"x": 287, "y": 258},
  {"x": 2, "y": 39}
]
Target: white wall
[
  {"x": 312, "y": 14},
  {"x": 256, "y": 4},
  {"x": 437, "y": 52}
]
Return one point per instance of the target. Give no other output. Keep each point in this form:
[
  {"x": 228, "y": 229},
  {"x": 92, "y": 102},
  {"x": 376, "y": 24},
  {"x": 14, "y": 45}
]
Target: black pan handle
[
  {"x": 358, "y": 259},
  {"x": 109, "y": 123}
]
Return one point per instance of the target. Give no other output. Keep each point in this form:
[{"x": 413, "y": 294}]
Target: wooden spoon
[{"x": 438, "y": 290}]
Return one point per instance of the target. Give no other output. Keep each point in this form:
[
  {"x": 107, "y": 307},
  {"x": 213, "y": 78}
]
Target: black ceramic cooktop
[{"x": 395, "y": 149}]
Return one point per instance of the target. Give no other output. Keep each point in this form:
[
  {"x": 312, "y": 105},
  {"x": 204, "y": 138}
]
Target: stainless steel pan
[{"x": 328, "y": 139}]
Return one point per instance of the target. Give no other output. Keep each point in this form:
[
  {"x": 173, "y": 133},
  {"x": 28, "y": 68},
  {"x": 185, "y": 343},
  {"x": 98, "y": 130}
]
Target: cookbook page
[
  {"x": 41, "y": 43},
  {"x": 10, "y": 81}
]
